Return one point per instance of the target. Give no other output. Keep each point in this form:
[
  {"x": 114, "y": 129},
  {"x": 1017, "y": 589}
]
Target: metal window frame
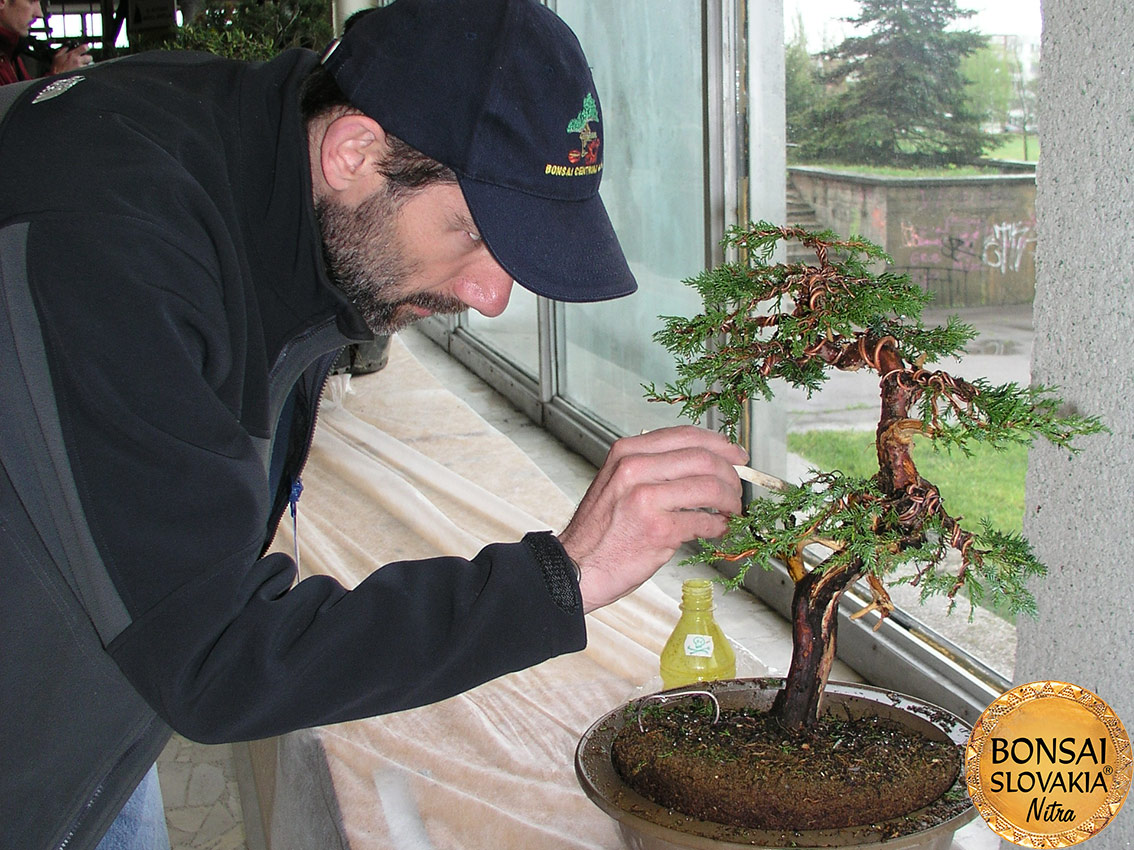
[{"x": 903, "y": 654}]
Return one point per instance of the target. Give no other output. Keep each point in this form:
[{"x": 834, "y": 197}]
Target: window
[
  {"x": 659, "y": 67},
  {"x": 696, "y": 138},
  {"x": 965, "y": 234},
  {"x": 81, "y": 21}
]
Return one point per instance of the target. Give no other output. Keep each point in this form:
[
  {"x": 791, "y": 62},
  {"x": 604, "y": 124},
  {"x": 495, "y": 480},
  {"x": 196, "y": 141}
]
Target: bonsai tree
[{"x": 795, "y": 322}]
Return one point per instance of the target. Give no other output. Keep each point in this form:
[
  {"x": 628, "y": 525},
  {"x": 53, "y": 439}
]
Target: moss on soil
[{"x": 747, "y": 770}]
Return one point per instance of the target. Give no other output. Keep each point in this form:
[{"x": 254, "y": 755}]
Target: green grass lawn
[
  {"x": 1011, "y": 146},
  {"x": 988, "y": 484},
  {"x": 1005, "y": 146},
  {"x": 894, "y": 171}
]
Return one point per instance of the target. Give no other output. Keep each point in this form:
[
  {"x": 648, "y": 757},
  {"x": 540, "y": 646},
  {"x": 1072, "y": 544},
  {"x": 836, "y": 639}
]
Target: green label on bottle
[{"x": 700, "y": 646}]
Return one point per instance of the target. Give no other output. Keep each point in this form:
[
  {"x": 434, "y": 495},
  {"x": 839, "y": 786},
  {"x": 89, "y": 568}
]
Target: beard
[{"x": 365, "y": 262}]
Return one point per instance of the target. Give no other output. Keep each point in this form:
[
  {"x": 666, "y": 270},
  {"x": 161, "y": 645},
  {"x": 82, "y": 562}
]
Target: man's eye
[{"x": 475, "y": 237}]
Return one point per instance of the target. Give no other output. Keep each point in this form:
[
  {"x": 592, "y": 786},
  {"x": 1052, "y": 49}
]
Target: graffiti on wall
[
  {"x": 1006, "y": 246},
  {"x": 965, "y": 260},
  {"x": 968, "y": 241},
  {"x": 969, "y": 245}
]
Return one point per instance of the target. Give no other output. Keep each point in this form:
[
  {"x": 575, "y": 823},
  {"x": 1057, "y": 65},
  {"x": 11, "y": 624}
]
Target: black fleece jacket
[{"x": 162, "y": 225}]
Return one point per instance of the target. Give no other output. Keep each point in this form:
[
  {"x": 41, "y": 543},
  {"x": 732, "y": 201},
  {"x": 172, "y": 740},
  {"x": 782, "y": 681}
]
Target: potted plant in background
[{"x": 796, "y": 321}]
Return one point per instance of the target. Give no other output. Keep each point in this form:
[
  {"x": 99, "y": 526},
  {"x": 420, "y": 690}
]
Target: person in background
[{"x": 16, "y": 18}]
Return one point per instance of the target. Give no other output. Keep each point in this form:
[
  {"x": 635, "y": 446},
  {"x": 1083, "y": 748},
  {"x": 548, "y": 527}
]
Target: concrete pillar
[{"x": 1080, "y": 510}]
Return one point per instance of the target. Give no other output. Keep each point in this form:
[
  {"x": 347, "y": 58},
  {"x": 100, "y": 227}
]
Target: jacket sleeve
[
  {"x": 274, "y": 657},
  {"x": 223, "y": 643}
]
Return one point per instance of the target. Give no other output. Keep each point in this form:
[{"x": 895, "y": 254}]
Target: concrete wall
[
  {"x": 1079, "y": 512},
  {"x": 968, "y": 240}
]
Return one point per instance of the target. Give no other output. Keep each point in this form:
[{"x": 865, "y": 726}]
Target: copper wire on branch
[{"x": 797, "y": 322}]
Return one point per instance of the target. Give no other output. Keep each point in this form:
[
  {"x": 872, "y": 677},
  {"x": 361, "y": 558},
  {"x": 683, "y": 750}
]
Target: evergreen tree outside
[
  {"x": 802, "y": 89},
  {"x": 901, "y": 97}
]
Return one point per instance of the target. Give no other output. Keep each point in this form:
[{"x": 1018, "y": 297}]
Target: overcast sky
[{"x": 994, "y": 17}]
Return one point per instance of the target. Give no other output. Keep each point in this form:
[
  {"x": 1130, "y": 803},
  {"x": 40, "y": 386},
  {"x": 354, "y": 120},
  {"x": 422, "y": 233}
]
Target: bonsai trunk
[
  {"x": 815, "y": 603},
  {"x": 814, "y": 617}
]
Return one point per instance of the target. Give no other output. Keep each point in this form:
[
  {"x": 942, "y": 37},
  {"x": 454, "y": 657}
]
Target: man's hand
[
  {"x": 71, "y": 58},
  {"x": 653, "y": 493}
]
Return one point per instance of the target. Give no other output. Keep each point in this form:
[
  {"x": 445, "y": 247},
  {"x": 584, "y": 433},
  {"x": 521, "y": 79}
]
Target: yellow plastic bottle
[{"x": 697, "y": 651}]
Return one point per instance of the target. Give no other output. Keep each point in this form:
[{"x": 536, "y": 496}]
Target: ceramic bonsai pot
[{"x": 647, "y": 826}]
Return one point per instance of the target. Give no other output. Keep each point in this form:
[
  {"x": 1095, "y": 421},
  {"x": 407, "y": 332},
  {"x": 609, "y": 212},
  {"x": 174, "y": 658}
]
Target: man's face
[
  {"x": 18, "y": 15},
  {"x": 400, "y": 259}
]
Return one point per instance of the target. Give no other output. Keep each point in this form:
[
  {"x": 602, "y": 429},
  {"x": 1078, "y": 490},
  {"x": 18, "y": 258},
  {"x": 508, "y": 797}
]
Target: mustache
[{"x": 434, "y": 302}]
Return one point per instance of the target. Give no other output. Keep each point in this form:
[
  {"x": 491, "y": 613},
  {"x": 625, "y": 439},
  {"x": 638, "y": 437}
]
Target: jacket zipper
[
  {"x": 82, "y": 815},
  {"x": 323, "y": 365},
  {"x": 293, "y": 507},
  {"x": 78, "y": 821}
]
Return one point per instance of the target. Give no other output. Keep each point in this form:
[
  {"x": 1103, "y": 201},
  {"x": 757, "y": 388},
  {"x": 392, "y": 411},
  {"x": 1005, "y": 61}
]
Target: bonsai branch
[
  {"x": 796, "y": 322},
  {"x": 880, "y": 602}
]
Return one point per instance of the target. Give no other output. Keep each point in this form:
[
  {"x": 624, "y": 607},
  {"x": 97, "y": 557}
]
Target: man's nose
[{"x": 486, "y": 288}]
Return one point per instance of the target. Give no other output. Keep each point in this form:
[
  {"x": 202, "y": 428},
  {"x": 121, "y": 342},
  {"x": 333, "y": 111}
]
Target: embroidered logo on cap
[{"x": 585, "y": 158}]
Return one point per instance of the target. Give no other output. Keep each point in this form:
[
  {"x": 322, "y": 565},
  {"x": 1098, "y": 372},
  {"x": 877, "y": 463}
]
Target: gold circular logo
[{"x": 1048, "y": 765}]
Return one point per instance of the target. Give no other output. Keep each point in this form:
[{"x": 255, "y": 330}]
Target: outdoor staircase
[{"x": 801, "y": 214}]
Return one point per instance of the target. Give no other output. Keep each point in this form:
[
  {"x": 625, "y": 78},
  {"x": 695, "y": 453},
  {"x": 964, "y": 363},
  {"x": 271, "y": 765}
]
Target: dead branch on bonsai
[{"x": 795, "y": 322}]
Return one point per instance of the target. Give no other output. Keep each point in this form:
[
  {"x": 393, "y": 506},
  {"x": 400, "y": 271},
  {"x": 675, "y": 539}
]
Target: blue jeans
[{"x": 141, "y": 823}]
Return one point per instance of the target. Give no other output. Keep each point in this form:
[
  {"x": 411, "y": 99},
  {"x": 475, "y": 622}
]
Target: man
[
  {"x": 176, "y": 288},
  {"x": 16, "y": 18}
]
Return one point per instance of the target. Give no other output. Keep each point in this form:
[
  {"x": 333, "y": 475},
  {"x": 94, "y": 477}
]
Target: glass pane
[
  {"x": 922, "y": 140},
  {"x": 646, "y": 60},
  {"x": 513, "y": 333}
]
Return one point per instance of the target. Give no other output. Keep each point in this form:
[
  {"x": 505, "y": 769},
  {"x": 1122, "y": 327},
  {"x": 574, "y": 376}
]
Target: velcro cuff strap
[{"x": 560, "y": 573}]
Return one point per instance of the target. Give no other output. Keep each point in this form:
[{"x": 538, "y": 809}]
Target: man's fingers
[
  {"x": 71, "y": 58},
  {"x": 691, "y": 525},
  {"x": 629, "y": 465},
  {"x": 679, "y": 437},
  {"x": 654, "y": 492},
  {"x": 672, "y": 465},
  {"x": 692, "y": 493}
]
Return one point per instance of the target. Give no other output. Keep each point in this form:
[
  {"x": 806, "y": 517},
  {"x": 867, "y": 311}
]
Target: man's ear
[{"x": 350, "y": 150}]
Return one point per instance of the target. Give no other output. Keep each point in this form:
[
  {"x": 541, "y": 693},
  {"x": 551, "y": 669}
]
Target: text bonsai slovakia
[{"x": 1039, "y": 766}]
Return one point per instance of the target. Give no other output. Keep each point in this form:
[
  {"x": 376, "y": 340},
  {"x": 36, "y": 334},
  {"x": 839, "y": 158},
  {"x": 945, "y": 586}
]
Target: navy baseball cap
[{"x": 500, "y": 92}]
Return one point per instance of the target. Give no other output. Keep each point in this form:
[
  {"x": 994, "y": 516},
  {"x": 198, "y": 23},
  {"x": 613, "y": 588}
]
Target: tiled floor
[{"x": 202, "y": 796}]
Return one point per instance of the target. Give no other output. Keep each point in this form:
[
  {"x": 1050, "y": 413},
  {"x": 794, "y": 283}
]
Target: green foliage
[
  {"x": 989, "y": 86},
  {"x": 255, "y": 30},
  {"x": 796, "y": 322},
  {"x": 1004, "y": 415},
  {"x": 998, "y": 496},
  {"x": 901, "y": 98},
  {"x": 230, "y": 42},
  {"x": 999, "y": 577},
  {"x": 803, "y": 91},
  {"x": 748, "y": 302}
]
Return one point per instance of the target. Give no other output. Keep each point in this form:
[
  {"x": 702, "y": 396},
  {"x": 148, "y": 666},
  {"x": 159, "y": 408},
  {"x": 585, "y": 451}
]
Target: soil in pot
[{"x": 747, "y": 770}]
